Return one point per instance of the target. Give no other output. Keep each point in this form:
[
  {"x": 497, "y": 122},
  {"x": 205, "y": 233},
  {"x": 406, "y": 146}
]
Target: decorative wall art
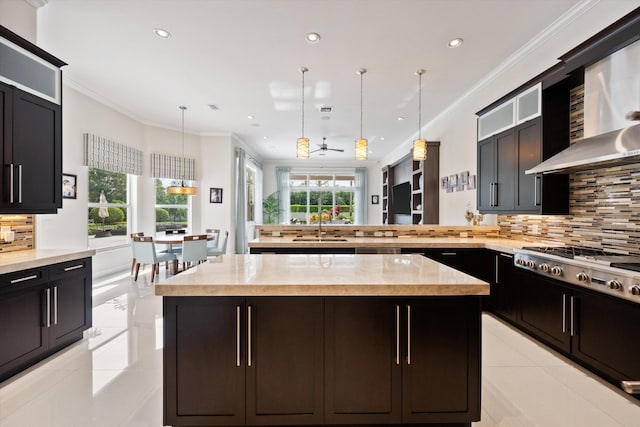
[
  {"x": 215, "y": 195},
  {"x": 69, "y": 189},
  {"x": 458, "y": 182},
  {"x": 375, "y": 199}
]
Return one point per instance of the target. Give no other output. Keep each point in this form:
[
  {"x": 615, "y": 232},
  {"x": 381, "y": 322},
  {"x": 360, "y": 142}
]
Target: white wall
[
  {"x": 455, "y": 127},
  {"x": 20, "y": 17}
]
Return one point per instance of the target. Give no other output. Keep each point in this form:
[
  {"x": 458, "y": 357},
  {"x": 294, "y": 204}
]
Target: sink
[{"x": 317, "y": 239}]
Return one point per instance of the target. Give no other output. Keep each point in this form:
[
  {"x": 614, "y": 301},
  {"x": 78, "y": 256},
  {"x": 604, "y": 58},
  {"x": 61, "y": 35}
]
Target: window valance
[
  {"x": 103, "y": 153},
  {"x": 166, "y": 166}
]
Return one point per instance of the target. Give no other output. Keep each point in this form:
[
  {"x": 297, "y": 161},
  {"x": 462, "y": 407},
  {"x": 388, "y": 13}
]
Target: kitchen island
[{"x": 321, "y": 339}]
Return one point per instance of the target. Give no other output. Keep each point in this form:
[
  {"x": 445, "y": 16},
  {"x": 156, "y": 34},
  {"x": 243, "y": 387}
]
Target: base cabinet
[
  {"x": 504, "y": 288},
  {"x": 321, "y": 361},
  {"x": 41, "y": 311}
]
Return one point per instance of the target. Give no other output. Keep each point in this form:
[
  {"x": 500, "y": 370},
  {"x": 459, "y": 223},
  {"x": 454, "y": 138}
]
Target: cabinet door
[
  {"x": 71, "y": 301},
  {"x": 505, "y": 186},
  {"x": 529, "y": 152},
  {"x": 23, "y": 335},
  {"x": 504, "y": 288},
  {"x": 284, "y": 369},
  {"x": 5, "y": 139},
  {"x": 607, "y": 337},
  {"x": 37, "y": 153},
  {"x": 441, "y": 372},
  {"x": 486, "y": 174},
  {"x": 204, "y": 375},
  {"x": 363, "y": 361},
  {"x": 544, "y": 310}
]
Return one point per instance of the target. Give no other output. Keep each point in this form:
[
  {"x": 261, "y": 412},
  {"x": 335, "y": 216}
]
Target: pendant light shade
[
  {"x": 302, "y": 145},
  {"x": 362, "y": 145},
  {"x": 182, "y": 189},
  {"x": 420, "y": 145}
]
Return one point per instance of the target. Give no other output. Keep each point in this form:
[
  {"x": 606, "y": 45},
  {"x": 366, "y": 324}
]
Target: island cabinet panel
[
  {"x": 285, "y": 363},
  {"x": 441, "y": 370},
  {"x": 363, "y": 361}
]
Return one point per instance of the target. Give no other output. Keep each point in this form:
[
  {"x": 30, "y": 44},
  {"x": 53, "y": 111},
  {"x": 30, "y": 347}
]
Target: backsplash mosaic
[
  {"x": 604, "y": 213},
  {"x": 23, "y": 232}
]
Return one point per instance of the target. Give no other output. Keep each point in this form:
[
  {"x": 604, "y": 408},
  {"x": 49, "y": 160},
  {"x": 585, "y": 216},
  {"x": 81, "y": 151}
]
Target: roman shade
[{"x": 103, "y": 153}]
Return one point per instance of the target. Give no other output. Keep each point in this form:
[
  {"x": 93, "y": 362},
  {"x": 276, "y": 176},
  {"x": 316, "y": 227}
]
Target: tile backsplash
[
  {"x": 604, "y": 213},
  {"x": 23, "y": 232}
]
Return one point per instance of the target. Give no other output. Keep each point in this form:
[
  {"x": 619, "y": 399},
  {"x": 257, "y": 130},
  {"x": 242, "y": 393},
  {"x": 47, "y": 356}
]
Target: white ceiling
[{"x": 243, "y": 56}]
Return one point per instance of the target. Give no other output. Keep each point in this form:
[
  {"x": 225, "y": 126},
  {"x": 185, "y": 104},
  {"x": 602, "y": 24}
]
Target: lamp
[
  {"x": 302, "y": 145},
  {"x": 182, "y": 189},
  {"x": 419, "y": 145},
  {"x": 361, "y": 143}
]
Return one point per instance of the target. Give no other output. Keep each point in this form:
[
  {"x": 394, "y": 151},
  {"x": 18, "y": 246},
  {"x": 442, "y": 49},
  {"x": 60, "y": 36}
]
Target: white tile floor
[{"x": 114, "y": 378}]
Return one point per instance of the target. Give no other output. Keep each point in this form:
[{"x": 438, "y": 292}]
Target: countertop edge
[{"x": 24, "y": 260}]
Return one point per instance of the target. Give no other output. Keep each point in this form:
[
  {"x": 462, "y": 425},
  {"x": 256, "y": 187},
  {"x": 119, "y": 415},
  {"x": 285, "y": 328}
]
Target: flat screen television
[{"x": 401, "y": 198}]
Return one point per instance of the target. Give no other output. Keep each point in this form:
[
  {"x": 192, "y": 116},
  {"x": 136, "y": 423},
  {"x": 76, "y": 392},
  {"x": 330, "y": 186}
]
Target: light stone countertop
[
  {"x": 23, "y": 260},
  {"x": 321, "y": 275},
  {"x": 497, "y": 244}
]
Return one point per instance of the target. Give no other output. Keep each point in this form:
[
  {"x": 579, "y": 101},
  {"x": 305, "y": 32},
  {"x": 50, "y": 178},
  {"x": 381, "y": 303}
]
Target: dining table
[{"x": 174, "y": 239}]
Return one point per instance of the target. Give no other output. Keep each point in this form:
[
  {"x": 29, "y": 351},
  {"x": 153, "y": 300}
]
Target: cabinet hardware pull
[
  {"x": 24, "y": 279},
  {"x": 491, "y": 194},
  {"x": 11, "y": 183},
  {"x": 237, "y": 335},
  {"x": 573, "y": 329},
  {"x": 19, "y": 183},
  {"x": 47, "y": 294},
  {"x": 449, "y": 253},
  {"x": 536, "y": 181},
  {"x": 75, "y": 267},
  {"x": 408, "y": 334},
  {"x": 496, "y": 202},
  {"x": 55, "y": 305},
  {"x": 397, "y": 334},
  {"x": 249, "y": 335},
  {"x": 497, "y": 279},
  {"x": 631, "y": 387},
  {"x": 564, "y": 313},
  {"x": 506, "y": 255}
]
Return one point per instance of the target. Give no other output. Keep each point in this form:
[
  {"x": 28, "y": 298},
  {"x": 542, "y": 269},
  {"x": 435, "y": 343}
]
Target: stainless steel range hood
[{"x": 612, "y": 148}]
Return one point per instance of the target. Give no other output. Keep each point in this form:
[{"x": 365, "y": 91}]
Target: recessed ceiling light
[
  {"x": 400, "y": 119},
  {"x": 265, "y": 137},
  {"x": 455, "y": 42},
  {"x": 250, "y": 117},
  {"x": 162, "y": 33},
  {"x": 382, "y": 138},
  {"x": 313, "y": 37}
]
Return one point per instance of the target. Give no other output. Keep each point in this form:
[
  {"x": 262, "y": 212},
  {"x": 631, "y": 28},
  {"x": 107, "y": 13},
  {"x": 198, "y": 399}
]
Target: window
[
  {"x": 326, "y": 197},
  {"x": 251, "y": 194},
  {"x": 172, "y": 211},
  {"x": 109, "y": 208}
]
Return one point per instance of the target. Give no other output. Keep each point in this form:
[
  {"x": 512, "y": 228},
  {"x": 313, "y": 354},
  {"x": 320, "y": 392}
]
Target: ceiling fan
[{"x": 324, "y": 148}]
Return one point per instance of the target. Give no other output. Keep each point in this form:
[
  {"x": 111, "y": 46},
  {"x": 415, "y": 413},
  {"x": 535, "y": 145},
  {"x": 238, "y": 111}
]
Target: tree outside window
[
  {"x": 336, "y": 194},
  {"x": 108, "y": 216},
  {"x": 172, "y": 210}
]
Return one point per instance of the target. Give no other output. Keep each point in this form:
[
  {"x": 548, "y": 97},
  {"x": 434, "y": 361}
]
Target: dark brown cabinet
[
  {"x": 497, "y": 172},
  {"x": 41, "y": 311},
  {"x": 475, "y": 262},
  {"x": 503, "y": 299},
  {"x": 321, "y": 361},
  {"x": 243, "y": 361}
]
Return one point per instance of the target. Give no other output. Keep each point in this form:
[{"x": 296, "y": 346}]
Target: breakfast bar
[{"x": 317, "y": 339}]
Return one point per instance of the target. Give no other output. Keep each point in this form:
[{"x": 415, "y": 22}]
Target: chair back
[
  {"x": 225, "y": 239},
  {"x": 144, "y": 249},
  {"x": 133, "y": 247},
  {"x": 194, "y": 248},
  {"x": 215, "y": 234}
]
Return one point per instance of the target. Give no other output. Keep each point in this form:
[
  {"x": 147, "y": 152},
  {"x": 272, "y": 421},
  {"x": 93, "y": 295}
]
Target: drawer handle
[
  {"x": 24, "y": 279},
  {"x": 75, "y": 267},
  {"x": 408, "y": 335},
  {"x": 397, "y": 334},
  {"x": 249, "y": 355},
  {"x": 237, "y": 335},
  {"x": 631, "y": 387},
  {"x": 506, "y": 255},
  {"x": 449, "y": 253}
]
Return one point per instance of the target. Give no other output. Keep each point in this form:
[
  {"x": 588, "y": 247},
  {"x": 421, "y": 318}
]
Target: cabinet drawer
[
  {"x": 68, "y": 268},
  {"x": 23, "y": 278}
]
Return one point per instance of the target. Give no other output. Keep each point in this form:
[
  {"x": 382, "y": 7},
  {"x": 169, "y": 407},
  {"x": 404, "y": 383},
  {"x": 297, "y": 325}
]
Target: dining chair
[
  {"x": 223, "y": 248},
  {"x": 133, "y": 249},
  {"x": 194, "y": 250},
  {"x": 215, "y": 234},
  {"x": 145, "y": 251}
]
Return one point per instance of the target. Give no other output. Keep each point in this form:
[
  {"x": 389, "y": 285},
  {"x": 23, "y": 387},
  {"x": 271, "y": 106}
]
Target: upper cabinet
[
  {"x": 524, "y": 106},
  {"x": 30, "y": 127}
]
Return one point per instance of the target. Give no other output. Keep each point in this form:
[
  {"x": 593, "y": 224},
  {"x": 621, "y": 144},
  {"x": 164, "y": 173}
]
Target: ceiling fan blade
[
  {"x": 319, "y": 149},
  {"x": 336, "y": 149}
]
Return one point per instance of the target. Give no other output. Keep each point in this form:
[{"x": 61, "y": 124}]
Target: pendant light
[
  {"x": 302, "y": 145},
  {"x": 362, "y": 145},
  {"x": 182, "y": 189},
  {"x": 420, "y": 145}
]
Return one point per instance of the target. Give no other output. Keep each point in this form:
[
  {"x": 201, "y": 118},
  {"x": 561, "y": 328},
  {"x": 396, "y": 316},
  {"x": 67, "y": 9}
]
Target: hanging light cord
[
  {"x": 361, "y": 73},
  {"x": 182, "y": 107},
  {"x": 420, "y": 104},
  {"x": 303, "y": 70}
]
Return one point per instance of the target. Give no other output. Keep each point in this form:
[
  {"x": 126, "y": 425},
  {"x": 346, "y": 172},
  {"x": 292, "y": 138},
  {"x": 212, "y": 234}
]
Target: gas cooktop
[{"x": 570, "y": 251}]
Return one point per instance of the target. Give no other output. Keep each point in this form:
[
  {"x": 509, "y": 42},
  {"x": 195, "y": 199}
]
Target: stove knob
[
  {"x": 635, "y": 290},
  {"x": 520, "y": 261},
  {"x": 556, "y": 271},
  {"x": 545, "y": 268},
  {"x": 582, "y": 277},
  {"x": 531, "y": 264},
  {"x": 615, "y": 285}
]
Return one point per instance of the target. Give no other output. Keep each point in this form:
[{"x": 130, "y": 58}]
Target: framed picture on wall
[
  {"x": 69, "y": 189},
  {"x": 375, "y": 199},
  {"x": 215, "y": 195},
  {"x": 471, "y": 185}
]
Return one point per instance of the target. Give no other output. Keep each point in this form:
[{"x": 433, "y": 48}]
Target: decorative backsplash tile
[
  {"x": 23, "y": 232},
  {"x": 604, "y": 213}
]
